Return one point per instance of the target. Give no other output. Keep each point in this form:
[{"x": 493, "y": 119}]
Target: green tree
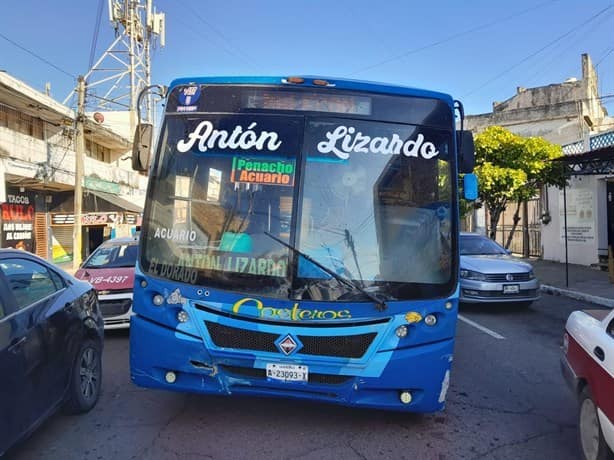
[{"x": 511, "y": 168}]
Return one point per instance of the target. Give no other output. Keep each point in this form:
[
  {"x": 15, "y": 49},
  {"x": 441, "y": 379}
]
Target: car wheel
[
  {"x": 592, "y": 442},
  {"x": 85, "y": 379}
]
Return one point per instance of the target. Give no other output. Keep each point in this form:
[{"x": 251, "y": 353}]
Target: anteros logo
[
  {"x": 345, "y": 140},
  {"x": 293, "y": 314}
]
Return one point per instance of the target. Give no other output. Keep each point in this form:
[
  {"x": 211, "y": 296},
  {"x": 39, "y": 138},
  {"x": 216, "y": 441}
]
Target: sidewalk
[{"x": 585, "y": 283}]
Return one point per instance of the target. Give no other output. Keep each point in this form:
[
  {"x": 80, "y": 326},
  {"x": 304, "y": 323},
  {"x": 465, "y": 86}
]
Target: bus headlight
[
  {"x": 405, "y": 397},
  {"x": 183, "y": 316},
  {"x": 157, "y": 300},
  {"x": 430, "y": 320},
  {"x": 401, "y": 331}
]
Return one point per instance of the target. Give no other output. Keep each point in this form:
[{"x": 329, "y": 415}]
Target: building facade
[
  {"x": 572, "y": 115},
  {"x": 37, "y": 168}
]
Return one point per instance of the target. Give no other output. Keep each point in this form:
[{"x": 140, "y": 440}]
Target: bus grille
[
  {"x": 344, "y": 346},
  {"x": 326, "y": 379}
]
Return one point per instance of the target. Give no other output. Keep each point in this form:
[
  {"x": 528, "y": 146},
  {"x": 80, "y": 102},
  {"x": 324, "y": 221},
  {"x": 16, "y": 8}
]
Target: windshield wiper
[{"x": 379, "y": 303}]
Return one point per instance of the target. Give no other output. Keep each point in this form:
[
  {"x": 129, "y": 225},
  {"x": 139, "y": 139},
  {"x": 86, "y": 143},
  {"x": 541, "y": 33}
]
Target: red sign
[{"x": 18, "y": 221}]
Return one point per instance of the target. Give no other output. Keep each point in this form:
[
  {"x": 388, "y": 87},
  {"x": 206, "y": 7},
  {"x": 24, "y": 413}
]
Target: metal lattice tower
[{"x": 124, "y": 69}]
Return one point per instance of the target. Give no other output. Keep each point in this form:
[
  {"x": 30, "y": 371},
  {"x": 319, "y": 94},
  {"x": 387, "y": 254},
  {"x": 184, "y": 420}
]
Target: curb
[{"x": 603, "y": 301}]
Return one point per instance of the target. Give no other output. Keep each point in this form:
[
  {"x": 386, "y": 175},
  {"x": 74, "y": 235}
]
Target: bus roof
[{"x": 339, "y": 83}]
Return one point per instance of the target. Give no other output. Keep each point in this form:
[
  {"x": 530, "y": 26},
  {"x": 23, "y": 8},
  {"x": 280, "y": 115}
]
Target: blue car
[{"x": 51, "y": 339}]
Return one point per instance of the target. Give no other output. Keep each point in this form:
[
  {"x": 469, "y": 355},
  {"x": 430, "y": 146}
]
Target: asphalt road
[{"x": 507, "y": 400}]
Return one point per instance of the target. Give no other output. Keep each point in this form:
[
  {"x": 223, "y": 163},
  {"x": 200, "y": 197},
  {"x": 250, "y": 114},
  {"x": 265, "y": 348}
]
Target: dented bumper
[{"x": 423, "y": 370}]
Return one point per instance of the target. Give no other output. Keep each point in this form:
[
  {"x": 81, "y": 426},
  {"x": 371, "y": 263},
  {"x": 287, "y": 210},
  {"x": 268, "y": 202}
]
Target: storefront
[
  {"x": 104, "y": 216},
  {"x": 580, "y": 226}
]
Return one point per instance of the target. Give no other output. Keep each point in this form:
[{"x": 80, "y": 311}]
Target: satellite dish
[{"x": 98, "y": 117}]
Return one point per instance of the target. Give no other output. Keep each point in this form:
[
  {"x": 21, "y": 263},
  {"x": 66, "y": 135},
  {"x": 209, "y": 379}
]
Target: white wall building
[{"x": 37, "y": 168}]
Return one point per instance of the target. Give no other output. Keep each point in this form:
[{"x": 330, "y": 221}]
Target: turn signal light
[
  {"x": 320, "y": 82},
  {"x": 297, "y": 80}
]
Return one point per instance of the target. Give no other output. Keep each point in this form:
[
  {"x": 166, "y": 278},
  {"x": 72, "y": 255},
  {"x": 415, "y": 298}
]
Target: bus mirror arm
[
  {"x": 141, "y": 147},
  {"x": 143, "y": 135}
]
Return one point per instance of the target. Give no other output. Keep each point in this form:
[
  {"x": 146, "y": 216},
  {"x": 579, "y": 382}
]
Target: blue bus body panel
[{"x": 374, "y": 377}]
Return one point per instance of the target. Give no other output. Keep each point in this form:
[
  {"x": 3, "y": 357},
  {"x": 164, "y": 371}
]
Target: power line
[
  {"x": 547, "y": 65},
  {"x": 224, "y": 39},
  {"x": 605, "y": 56},
  {"x": 96, "y": 32},
  {"x": 449, "y": 38},
  {"x": 499, "y": 75},
  {"x": 37, "y": 56}
]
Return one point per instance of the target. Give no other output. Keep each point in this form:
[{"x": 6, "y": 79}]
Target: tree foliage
[{"x": 511, "y": 168}]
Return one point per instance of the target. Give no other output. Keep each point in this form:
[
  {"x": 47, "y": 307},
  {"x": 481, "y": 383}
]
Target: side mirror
[
  {"x": 466, "y": 152},
  {"x": 141, "y": 146},
  {"x": 470, "y": 187}
]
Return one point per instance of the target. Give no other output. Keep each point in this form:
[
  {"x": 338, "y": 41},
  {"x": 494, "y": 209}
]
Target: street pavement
[{"x": 575, "y": 281}]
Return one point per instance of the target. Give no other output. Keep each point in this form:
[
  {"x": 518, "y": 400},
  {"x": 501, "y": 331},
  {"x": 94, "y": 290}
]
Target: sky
[{"x": 479, "y": 51}]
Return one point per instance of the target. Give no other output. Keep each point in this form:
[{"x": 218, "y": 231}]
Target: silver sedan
[{"x": 489, "y": 274}]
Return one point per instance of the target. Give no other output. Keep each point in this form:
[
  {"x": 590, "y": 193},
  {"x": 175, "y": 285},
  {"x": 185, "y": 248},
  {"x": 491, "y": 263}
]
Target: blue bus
[{"x": 300, "y": 239}]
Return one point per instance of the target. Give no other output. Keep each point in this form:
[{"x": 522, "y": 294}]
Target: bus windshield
[{"x": 371, "y": 201}]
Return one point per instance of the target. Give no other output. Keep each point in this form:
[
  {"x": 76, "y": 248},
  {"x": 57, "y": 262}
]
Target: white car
[
  {"x": 588, "y": 366},
  {"x": 489, "y": 274}
]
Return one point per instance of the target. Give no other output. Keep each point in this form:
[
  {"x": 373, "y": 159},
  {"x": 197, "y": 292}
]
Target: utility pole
[{"x": 79, "y": 152}]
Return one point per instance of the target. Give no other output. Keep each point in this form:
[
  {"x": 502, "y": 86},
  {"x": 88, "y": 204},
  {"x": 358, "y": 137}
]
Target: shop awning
[
  {"x": 594, "y": 162},
  {"x": 113, "y": 200}
]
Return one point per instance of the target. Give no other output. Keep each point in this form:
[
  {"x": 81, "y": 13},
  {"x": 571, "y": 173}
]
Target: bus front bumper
[{"x": 163, "y": 358}]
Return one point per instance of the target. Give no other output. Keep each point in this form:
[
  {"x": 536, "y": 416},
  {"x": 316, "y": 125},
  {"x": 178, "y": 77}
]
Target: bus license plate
[
  {"x": 287, "y": 372},
  {"x": 511, "y": 289}
]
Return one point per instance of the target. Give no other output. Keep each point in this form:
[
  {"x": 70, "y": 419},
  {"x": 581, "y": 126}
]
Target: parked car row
[{"x": 51, "y": 332}]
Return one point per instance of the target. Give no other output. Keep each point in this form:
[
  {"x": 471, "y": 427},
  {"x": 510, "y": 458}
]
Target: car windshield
[
  {"x": 113, "y": 256},
  {"x": 479, "y": 245}
]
